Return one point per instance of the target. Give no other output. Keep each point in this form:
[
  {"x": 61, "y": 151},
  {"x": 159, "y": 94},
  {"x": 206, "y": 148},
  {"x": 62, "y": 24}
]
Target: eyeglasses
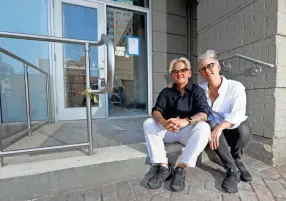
[
  {"x": 209, "y": 67},
  {"x": 176, "y": 72}
]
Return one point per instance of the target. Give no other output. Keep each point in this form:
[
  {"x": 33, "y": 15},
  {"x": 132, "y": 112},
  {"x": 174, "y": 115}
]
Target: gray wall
[
  {"x": 169, "y": 31},
  {"x": 250, "y": 28}
]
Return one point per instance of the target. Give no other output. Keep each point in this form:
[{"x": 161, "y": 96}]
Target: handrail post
[
  {"x": 88, "y": 106},
  {"x": 48, "y": 94},
  {"x": 1, "y": 149},
  {"x": 27, "y": 97}
]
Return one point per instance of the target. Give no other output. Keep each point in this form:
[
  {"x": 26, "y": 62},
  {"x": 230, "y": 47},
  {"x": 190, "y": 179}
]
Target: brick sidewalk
[{"x": 203, "y": 183}]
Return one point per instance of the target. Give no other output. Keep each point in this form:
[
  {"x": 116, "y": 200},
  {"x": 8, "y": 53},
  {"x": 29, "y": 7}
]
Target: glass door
[{"x": 83, "y": 20}]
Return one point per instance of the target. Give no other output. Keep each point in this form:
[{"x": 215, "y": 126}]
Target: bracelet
[{"x": 189, "y": 119}]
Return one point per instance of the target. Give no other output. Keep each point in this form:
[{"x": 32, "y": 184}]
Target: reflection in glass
[
  {"x": 141, "y": 3},
  {"x": 38, "y": 95},
  {"x": 30, "y": 17},
  {"x": 79, "y": 23},
  {"x": 130, "y": 94}
]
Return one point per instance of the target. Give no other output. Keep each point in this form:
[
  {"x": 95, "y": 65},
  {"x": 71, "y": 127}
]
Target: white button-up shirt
[{"x": 230, "y": 104}]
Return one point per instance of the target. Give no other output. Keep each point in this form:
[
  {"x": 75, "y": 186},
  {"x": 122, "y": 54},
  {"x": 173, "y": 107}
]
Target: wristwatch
[{"x": 189, "y": 119}]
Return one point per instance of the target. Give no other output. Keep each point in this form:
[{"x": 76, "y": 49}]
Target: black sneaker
[
  {"x": 229, "y": 184},
  {"x": 178, "y": 181},
  {"x": 157, "y": 180},
  {"x": 244, "y": 174}
]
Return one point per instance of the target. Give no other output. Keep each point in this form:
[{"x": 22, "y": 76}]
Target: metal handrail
[
  {"x": 4, "y": 51},
  {"x": 256, "y": 70},
  {"x": 103, "y": 41},
  {"x": 110, "y": 79},
  {"x": 26, "y": 64},
  {"x": 47, "y": 38}
]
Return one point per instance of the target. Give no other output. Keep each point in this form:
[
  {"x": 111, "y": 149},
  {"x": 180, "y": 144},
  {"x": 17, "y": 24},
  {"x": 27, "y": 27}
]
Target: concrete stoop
[{"x": 46, "y": 177}]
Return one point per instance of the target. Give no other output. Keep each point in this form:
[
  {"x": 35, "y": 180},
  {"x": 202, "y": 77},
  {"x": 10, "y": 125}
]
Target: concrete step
[{"x": 38, "y": 178}]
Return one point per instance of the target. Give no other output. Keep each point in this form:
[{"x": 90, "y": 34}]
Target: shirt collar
[
  {"x": 223, "y": 86},
  {"x": 222, "y": 89}
]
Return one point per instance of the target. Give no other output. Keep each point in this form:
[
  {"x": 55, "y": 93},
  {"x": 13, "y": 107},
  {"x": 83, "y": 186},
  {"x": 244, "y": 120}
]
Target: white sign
[{"x": 133, "y": 46}]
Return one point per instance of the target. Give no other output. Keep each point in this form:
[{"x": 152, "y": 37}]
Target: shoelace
[
  {"x": 179, "y": 171},
  {"x": 160, "y": 174},
  {"x": 232, "y": 174}
]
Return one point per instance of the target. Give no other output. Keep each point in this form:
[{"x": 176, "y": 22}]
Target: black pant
[{"x": 231, "y": 143}]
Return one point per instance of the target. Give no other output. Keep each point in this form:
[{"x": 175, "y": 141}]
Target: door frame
[
  {"x": 147, "y": 11},
  {"x": 77, "y": 113}
]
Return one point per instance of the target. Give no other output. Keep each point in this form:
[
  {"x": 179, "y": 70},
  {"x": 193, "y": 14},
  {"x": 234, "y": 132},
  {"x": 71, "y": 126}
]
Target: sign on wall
[{"x": 133, "y": 45}]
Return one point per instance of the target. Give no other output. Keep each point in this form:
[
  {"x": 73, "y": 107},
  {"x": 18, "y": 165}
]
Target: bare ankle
[
  {"x": 181, "y": 165},
  {"x": 164, "y": 165}
]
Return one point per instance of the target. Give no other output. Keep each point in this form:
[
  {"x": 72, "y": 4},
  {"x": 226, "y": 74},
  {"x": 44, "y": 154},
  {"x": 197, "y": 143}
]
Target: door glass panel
[
  {"x": 130, "y": 93},
  {"x": 141, "y": 3},
  {"x": 79, "y": 22}
]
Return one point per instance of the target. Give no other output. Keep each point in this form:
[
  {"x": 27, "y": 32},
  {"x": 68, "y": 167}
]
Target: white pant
[{"x": 194, "y": 137}]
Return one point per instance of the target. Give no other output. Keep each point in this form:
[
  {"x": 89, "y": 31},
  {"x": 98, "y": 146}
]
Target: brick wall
[
  {"x": 250, "y": 28},
  {"x": 193, "y": 42},
  {"x": 169, "y": 31}
]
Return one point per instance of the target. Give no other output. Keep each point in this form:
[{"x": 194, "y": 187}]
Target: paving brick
[
  {"x": 139, "y": 190},
  {"x": 93, "y": 194},
  {"x": 142, "y": 194},
  {"x": 282, "y": 173},
  {"x": 255, "y": 164},
  {"x": 124, "y": 191},
  {"x": 214, "y": 185},
  {"x": 76, "y": 196},
  {"x": 276, "y": 188},
  {"x": 228, "y": 197},
  {"x": 247, "y": 196},
  {"x": 203, "y": 175},
  {"x": 279, "y": 199},
  {"x": 244, "y": 186},
  {"x": 60, "y": 197},
  {"x": 270, "y": 174},
  {"x": 109, "y": 192},
  {"x": 202, "y": 193},
  {"x": 282, "y": 181},
  {"x": 193, "y": 180},
  {"x": 42, "y": 199},
  {"x": 158, "y": 198},
  {"x": 257, "y": 180},
  {"x": 263, "y": 193},
  {"x": 148, "y": 198},
  {"x": 157, "y": 191},
  {"x": 180, "y": 196},
  {"x": 165, "y": 195}
]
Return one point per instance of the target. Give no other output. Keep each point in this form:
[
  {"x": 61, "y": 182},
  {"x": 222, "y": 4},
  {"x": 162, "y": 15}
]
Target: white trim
[
  {"x": 116, "y": 5},
  {"x": 150, "y": 58},
  {"x": 75, "y": 113},
  {"x": 53, "y": 91},
  {"x": 105, "y": 59},
  {"x": 121, "y": 5}
]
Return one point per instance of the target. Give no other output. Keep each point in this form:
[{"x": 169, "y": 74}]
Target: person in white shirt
[{"x": 230, "y": 134}]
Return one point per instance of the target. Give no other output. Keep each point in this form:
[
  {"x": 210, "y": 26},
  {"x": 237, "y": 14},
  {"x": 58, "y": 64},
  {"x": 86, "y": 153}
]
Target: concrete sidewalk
[{"x": 203, "y": 184}]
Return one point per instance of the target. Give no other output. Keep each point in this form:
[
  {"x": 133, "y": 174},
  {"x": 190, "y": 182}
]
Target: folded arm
[{"x": 201, "y": 107}]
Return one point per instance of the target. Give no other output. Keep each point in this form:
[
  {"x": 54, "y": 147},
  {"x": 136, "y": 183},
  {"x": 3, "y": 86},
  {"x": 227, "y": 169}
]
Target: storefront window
[
  {"x": 141, "y": 3},
  {"x": 29, "y": 17},
  {"x": 128, "y": 31}
]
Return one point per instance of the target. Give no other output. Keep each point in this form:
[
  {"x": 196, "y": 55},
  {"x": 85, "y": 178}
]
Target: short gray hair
[
  {"x": 209, "y": 54},
  {"x": 181, "y": 59}
]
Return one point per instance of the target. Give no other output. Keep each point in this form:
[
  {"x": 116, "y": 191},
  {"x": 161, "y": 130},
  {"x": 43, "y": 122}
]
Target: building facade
[{"x": 161, "y": 30}]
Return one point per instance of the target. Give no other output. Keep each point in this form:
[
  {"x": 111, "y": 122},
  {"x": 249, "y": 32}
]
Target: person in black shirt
[{"x": 178, "y": 116}]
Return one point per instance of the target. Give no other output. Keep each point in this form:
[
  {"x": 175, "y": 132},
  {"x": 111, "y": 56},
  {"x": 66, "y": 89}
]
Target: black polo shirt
[{"x": 172, "y": 104}]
